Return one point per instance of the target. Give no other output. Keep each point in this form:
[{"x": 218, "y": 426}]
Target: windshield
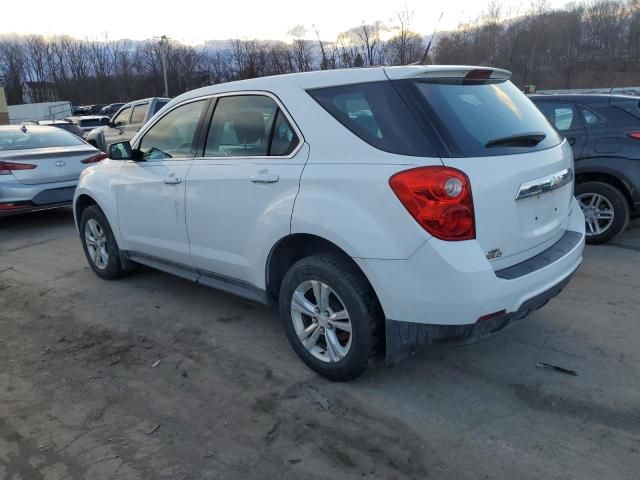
[
  {"x": 475, "y": 120},
  {"x": 25, "y": 139}
]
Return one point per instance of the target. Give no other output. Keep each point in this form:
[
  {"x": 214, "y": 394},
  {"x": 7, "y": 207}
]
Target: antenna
[
  {"x": 615, "y": 82},
  {"x": 433, "y": 35}
]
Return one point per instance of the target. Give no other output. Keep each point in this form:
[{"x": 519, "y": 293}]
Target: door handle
[
  {"x": 172, "y": 180},
  {"x": 265, "y": 177}
]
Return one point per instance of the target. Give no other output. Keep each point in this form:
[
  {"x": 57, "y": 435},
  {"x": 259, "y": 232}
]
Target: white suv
[{"x": 381, "y": 208}]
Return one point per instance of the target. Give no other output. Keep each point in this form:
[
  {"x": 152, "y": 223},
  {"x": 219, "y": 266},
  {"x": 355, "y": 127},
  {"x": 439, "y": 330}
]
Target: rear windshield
[
  {"x": 26, "y": 139},
  {"x": 477, "y": 119},
  {"x": 376, "y": 114},
  {"x": 90, "y": 122}
]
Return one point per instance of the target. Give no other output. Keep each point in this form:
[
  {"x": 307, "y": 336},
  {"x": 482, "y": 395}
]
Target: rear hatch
[
  {"x": 51, "y": 154},
  {"x": 520, "y": 169}
]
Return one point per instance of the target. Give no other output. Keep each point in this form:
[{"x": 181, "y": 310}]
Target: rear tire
[
  {"x": 347, "y": 302},
  {"x": 99, "y": 244},
  {"x": 605, "y": 208}
]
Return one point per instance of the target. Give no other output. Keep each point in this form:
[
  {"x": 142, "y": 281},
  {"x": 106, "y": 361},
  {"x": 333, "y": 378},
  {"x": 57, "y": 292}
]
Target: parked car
[
  {"x": 88, "y": 123},
  {"x": 126, "y": 123},
  {"x": 40, "y": 166},
  {"x": 380, "y": 208},
  {"x": 604, "y": 133},
  {"x": 65, "y": 125},
  {"x": 110, "y": 109},
  {"x": 84, "y": 110}
]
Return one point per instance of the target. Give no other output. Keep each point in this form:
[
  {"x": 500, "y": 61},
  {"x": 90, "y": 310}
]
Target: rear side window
[
  {"x": 139, "y": 113},
  {"x": 159, "y": 104},
  {"x": 376, "y": 114},
  {"x": 25, "y": 139},
  {"x": 484, "y": 119}
]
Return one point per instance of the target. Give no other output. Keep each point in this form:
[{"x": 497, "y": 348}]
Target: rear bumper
[
  {"x": 404, "y": 337},
  {"x": 452, "y": 283},
  {"x": 17, "y": 198}
]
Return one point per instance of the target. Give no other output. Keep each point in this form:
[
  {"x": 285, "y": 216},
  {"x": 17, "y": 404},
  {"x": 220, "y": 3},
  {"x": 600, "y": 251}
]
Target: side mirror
[
  {"x": 123, "y": 151},
  {"x": 105, "y": 121}
]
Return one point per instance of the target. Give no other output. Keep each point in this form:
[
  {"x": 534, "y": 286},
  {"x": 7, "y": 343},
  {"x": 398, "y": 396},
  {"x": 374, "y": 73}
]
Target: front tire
[
  {"x": 99, "y": 244},
  {"x": 605, "y": 209},
  {"x": 332, "y": 317}
]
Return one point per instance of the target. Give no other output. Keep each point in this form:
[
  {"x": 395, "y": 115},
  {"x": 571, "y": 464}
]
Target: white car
[{"x": 380, "y": 208}]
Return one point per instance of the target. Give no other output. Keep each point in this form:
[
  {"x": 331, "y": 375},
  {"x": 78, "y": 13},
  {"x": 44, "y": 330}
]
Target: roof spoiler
[{"x": 447, "y": 71}]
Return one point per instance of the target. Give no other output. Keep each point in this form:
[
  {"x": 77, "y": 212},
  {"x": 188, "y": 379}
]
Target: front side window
[
  {"x": 560, "y": 114},
  {"x": 241, "y": 127},
  {"x": 122, "y": 118},
  {"x": 171, "y": 137},
  {"x": 139, "y": 113}
]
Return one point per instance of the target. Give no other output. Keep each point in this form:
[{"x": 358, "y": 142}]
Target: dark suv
[{"x": 604, "y": 132}]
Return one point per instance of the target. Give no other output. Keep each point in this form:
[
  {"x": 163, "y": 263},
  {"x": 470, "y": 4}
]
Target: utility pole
[
  {"x": 4, "y": 110},
  {"x": 164, "y": 45}
]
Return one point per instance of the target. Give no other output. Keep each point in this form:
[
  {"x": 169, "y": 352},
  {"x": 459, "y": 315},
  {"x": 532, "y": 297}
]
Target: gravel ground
[{"x": 152, "y": 377}]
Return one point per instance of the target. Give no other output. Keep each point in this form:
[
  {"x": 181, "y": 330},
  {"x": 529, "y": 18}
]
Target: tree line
[
  {"x": 90, "y": 72},
  {"x": 592, "y": 44},
  {"x": 586, "y": 45}
]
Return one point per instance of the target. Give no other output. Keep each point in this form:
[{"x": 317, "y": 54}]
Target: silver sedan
[{"x": 40, "y": 167}]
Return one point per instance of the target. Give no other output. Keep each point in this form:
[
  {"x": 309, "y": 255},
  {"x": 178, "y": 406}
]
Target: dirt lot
[{"x": 80, "y": 397}]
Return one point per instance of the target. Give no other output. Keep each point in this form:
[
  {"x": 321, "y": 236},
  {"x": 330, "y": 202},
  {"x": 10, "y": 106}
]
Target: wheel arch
[
  {"x": 294, "y": 247},
  {"x": 80, "y": 204},
  {"x": 614, "y": 178}
]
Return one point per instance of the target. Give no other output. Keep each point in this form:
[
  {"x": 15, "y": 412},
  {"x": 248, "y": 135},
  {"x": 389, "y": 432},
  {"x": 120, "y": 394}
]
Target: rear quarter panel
[{"x": 353, "y": 206}]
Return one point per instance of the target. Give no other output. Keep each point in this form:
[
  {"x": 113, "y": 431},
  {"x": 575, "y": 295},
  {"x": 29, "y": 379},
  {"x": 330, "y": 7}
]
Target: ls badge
[{"x": 493, "y": 254}]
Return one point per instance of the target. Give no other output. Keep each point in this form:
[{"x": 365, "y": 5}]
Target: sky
[{"x": 193, "y": 21}]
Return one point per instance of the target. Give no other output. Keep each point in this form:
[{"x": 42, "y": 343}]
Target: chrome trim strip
[{"x": 545, "y": 184}]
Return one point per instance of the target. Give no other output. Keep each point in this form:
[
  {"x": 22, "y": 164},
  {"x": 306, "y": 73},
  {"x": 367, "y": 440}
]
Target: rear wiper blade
[{"x": 521, "y": 140}]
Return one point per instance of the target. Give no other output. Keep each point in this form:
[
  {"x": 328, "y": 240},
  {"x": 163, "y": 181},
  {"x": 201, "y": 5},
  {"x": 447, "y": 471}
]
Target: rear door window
[
  {"x": 484, "y": 118},
  {"x": 376, "y": 114},
  {"x": 241, "y": 126}
]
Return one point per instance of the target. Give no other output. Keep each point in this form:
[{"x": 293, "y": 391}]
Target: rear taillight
[
  {"x": 98, "y": 157},
  {"x": 439, "y": 198},
  {"x": 635, "y": 135},
  {"x": 7, "y": 167}
]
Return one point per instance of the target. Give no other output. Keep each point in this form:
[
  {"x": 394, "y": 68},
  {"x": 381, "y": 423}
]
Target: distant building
[{"x": 37, "y": 92}]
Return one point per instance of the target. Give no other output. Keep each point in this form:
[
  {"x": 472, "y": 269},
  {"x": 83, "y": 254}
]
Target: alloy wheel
[
  {"x": 598, "y": 212},
  {"x": 96, "y": 242},
  {"x": 321, "y": 321}
]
